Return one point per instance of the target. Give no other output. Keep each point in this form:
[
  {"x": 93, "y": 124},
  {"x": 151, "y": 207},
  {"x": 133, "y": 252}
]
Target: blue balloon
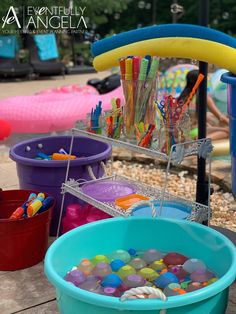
[
  {"x": 132, "y": 252},
  {"x": 111, "y": 280},
  {"x": 117, "y": 264},
  {"x": 165, "y": 279}
]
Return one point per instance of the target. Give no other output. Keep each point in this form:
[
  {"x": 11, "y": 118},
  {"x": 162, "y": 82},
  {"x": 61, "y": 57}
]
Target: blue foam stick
[
  {"x": 161, "y": 31},
  {"x": 46, "y": 204}
]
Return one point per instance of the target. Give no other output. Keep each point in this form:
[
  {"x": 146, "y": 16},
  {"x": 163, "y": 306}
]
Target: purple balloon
[
  {"x": 201, "y": 275},
  {"x": 76, "y": 277}
]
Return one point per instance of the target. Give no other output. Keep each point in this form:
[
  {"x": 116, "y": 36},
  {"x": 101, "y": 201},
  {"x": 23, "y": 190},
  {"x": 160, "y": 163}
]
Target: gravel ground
[{"x": 183, "y": 184}]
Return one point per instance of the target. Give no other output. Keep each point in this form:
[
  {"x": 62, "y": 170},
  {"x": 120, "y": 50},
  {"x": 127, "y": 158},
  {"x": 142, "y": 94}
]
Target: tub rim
[
  {"x": 228, "y": 78},
  {"x": 151, "y": 304},
  {"x": 57, "y": 163}
]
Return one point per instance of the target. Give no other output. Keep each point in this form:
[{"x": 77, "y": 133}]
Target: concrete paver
[{"x": 23, "y": 289}]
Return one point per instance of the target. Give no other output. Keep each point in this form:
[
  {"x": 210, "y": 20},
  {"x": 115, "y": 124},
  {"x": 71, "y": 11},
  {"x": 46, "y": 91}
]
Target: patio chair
[
  {"x": 106, "y": 85},
  {"x": 10, "y": 67},
  {"x": 44, "y": 57}
]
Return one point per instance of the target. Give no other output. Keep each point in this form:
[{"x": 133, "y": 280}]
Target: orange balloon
[{"x": 5, "y": 129}]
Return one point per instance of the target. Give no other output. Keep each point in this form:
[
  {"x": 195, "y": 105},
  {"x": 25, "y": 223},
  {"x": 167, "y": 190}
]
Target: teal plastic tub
[{"x": 168, "y": 235}]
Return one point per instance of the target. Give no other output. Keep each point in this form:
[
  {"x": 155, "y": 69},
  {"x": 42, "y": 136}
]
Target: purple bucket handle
[{"x": 90, "y": 170}]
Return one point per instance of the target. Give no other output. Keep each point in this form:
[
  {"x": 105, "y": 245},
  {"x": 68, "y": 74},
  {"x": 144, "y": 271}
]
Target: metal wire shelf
[
  {"x": 177, "y": 154},
  {"x": 198, "y": 213},
  {"x": 200, "y": 148}
]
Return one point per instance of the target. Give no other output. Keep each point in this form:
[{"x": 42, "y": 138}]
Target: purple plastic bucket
[{"x": 48, "y": 175}]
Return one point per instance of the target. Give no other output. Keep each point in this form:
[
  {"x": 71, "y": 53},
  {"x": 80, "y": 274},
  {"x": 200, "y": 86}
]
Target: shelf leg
[
  {"x": 60, "y": 216},
  {"x": 202, "y": 184},
  {"x": 166, "y": 183}
]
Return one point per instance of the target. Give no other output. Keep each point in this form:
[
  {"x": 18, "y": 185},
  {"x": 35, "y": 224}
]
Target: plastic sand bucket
[
  {"x": 167, "y": 235},
  {"x": 176, "y": 210},
  {"x": 48, "y": 175},
  {"x": 23, "y": 242},
  {"x": 107, "y": 190}
]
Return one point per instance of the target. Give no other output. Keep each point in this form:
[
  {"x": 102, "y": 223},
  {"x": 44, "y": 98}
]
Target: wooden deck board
[
  {"x": 28, "y": 292},
  {"x": 46, "y": 308},
  {"x": 23, "y": 289}
]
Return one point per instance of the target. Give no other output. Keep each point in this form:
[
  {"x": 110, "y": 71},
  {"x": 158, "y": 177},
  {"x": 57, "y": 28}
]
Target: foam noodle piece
[
  {"x": 181, "y": 41},
  {"x": 220, "y": 148},
  {"x": 161, "y": 31}
]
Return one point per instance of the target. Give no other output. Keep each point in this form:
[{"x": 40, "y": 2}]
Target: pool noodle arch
[{"x": 170, "y": 40}]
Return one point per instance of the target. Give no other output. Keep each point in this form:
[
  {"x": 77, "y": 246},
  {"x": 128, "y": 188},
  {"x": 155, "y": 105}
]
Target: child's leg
[
  {"x": 211, "y": 119},
  {"x": 218, "y": 135},
  {"x": 211, "y": 129}
]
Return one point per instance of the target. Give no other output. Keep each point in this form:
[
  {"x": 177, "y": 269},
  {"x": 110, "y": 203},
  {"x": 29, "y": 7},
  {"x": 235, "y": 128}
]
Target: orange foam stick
[
  {"x": 17, "y": 214},
  {"x": 193, "y": 91},
  {"x": 57, "y": 156}
]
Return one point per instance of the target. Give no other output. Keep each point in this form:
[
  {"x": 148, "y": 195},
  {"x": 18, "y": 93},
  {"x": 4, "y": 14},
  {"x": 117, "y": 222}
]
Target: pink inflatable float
[
  {"x": 73, "y": 88},
  {"x": 52, "y": 110}
]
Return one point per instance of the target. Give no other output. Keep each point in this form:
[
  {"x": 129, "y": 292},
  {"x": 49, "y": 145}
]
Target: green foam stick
[
  {"x": 153, "y": 69},
  {"x": 143, "y": 69}
]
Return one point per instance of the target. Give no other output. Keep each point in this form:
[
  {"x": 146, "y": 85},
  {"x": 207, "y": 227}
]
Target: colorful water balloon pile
[{"x": 112, "y": 275}]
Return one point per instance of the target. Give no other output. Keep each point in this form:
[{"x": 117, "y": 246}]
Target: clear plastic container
[{"x": 174, "y": 133}]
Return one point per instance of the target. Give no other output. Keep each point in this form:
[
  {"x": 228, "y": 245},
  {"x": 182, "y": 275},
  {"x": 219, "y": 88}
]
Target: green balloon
[{"x": 193, "y": 133}]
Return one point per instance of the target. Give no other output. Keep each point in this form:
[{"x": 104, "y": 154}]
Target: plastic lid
[{"x": 108, "y": 191}]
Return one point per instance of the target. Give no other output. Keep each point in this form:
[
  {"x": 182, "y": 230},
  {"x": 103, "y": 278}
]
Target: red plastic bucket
[{"x": 23, "y": 242}]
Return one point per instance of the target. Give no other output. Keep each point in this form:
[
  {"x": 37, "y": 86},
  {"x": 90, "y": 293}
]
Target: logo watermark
[{"x": 35, "y": 19}]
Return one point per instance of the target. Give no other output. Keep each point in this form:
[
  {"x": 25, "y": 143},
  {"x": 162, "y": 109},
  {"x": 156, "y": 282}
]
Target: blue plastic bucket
[
  {"x": 105, "y": 236},
  {"x": 230, "y": 79}
]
